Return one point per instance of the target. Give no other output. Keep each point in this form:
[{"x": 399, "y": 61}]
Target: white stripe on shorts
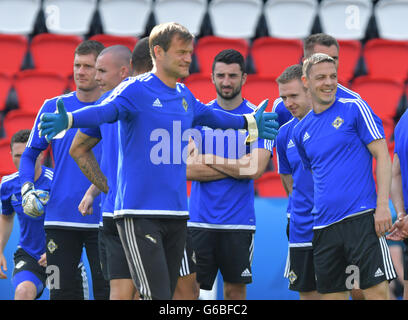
[
  {"x": 184, "y": 268},
  {"x": 388, "y": 265}
]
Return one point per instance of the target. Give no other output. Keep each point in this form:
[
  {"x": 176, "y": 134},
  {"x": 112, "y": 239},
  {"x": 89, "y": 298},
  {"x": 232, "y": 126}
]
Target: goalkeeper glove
[
  {"x": 53, "y": 123},
  {"x": 33, "y": 200}
]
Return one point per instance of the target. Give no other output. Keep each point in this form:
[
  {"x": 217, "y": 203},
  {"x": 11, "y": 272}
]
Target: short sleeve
[
  {"x": 5, "y": 206},
  {"x": 297, "y": 137},
  {"x": 35, "y": 141},
  {"x": 368, "y": 125},
  {"x": 282, "y": 160}
]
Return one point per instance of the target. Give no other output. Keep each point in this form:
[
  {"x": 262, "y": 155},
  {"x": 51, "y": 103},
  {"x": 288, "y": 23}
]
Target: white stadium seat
[
  {"x": 69, "y": 16},
  {"x": 189, "y": 13},
  {"x": 345, "y": 19},
  {"x": 235, "y": 18},
  {"x": 391, "y": 18},
  {"x": 18, "y": 16},
  {"x": 124, "y": 17},
  {"x": 290, "y": 19}
]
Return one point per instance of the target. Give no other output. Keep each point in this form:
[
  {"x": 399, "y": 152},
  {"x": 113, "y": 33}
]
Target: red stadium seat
[
  {"x": 201, "y": 86},
  {"x": 5, "y": 86},
  {"x": 34, "y": 86},
  {"x": 16, "y": 120},
  {"x": 257, "y": 88},
  {"x": 6, "y": 163},
  {"x": 383, "y": 96},
  {"x": 13, "y": 49},
  {"x": 271, "y": 56},
  {"x": 208, "y": 47},
  {"x": 349, "y": 54},
  {"x": 270, "y": 185},
  {"x": 386, "y": 59},
  {"x": 54, "y": 52},
  {"x": 110, "y": 40}
]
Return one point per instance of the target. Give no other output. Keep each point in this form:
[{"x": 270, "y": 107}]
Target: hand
[
  {"x": 86, "y": 205},
  {"x": 53, "y": 123},
  {"x": 3, "y": 266},
  {"x": 399, "y": 230},
  {"x": 382, "y": 220},
  {"x": 43, "y": 260},
  {"x": 265, "y": 122},
  {"x": 33, "y": 201}
]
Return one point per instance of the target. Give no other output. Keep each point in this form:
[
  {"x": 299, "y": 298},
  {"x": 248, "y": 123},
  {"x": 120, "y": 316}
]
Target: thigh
[
  {"x": 234, "y": 256},
  {"x": 143, "y": 244},
  {"x": 204, "y": 245},
  {"x": 188, "y": 261},
  {"x": 64, "y": 249}
]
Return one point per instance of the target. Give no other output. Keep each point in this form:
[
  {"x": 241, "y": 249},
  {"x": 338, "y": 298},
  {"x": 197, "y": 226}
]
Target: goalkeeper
[{"x": 151, "y": 202}]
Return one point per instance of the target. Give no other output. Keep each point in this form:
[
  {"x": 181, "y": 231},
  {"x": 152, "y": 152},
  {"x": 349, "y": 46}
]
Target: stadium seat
[
  {"x": 201, "y": 86},
  {"x": 270, "y": 185},
  {"x": 34, "y": 86},
  {"x": 69, "y": 16},
  {"x": 13, "y": 49},
  {"x": 109, "y": 40},
  {"x": 345, "y": 19},
  {"x": 124, "y": 17},
  {"x": 54, "y": 53},
  {"x": 16, "y": 120},
  {"x": 386, "y": 59},
  {"x": 189, "y": 13},
  {"x": 5, "y": 86},
  {"x": 208, "y": 47},
  {"x": 271, "y": 56},
  {"x": 390, "y": 17},
  {"x": 349, "y": 54},
  {"x": 235, "y": 18},
  {"x": 18, "y": 16},
  {"x": 383, "y": 96},
  {"x": 290, "y": 19},
  {"x": 258, "y": 88},
  {"x": 6, "y": 164}
]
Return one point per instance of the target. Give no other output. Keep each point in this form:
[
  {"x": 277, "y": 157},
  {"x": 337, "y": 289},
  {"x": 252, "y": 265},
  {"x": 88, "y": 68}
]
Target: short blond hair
[{"x": 315, "y": 58}]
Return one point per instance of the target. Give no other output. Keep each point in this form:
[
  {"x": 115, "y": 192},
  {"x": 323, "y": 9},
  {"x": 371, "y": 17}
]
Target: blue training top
[
  {"x": 289, "y": 162},
  {"x": 32, "y": 234},
  {"x": 333, "y": 144},
  {"x": 69, "y": 184},
  {"x": 226, "y": 204},
  {"x": 401, "y": 148}
]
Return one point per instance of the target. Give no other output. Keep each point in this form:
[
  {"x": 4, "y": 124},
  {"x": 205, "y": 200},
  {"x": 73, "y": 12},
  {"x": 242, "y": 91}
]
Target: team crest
[
  {"x": 185, "y": 104},
  {"x": 337, "y": 122},
  {"x": 292, "y": 277},
  {"x": 52, "y": 246}
]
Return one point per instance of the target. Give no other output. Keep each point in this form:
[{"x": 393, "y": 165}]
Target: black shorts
[
  {"x": 113, "y": 257},
  {"x": 405, "y": 259},
  {"x": 229, "y": 252},
  {"x": 26, "y": 268},
  {"x": 349, "y": 252},
  {"x": 188, "y": 262},
  {"x": 301, "y": 272},
  {"x": 154, "y": 248}
]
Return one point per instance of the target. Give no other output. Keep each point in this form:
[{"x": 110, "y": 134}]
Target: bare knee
[
  {"x": 122, "y": 289},
  {"x": 25, "y": 291},
  {"x": 234, "y": 291}
]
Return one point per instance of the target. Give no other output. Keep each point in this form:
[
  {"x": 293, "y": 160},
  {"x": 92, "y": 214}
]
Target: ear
[
  {"x": 158, "y": 51},
  {"x": 212, "y": 78},
  {"x": 305, "y": 82},
  {"x": 244, "y": 78}
]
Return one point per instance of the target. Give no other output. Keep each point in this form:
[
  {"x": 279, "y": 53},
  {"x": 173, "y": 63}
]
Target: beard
[{"x": 229, "y": 96}]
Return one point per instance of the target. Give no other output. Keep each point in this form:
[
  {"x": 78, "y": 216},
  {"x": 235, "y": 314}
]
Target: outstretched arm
[
  {"x": 6, "y": 226},
  {"x": 81, "y": 152}
]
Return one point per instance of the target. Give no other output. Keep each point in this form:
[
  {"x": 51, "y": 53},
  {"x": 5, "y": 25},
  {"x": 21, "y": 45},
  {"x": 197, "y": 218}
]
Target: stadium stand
[
  {"x": 290, "y": 19},
  {"x": 243, "y": 17},
  {"x": 349, "y": 55},
  {"x": 18, "y": 16},
  {"x": 13, "y": 49},
  {"x": 390, "y": 16},
  {"x": 201, "y": 86},
  {"x": 5, "y": 86},
  {"x": 16, "y": 120},
  {"x": 69, "y": 16},
  {"x": 175, "y": 10},
  {"x": 109, "y": 40},
  {"x": 345, "y": 19},
  {"x": 257, "y": 88},
  {"x": 6, "y": 163}
]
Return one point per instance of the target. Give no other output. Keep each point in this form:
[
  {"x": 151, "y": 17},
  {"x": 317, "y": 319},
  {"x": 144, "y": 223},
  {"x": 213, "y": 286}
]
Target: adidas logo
[
  {"x": 14, "y": 198},
  {"x": 157, "y": 103},
  {"x": 305, "y": 137},
  {"x": 378, "y": 273},
  {"x": 291, "y": 144},
  {"x": 246, "y": 273}
]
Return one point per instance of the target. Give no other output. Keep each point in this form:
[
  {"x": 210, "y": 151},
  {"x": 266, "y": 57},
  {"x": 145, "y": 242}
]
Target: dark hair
[
  {"x": 230, "y": 56},
  {"x": 88, "y": 47},
  {"x": 141, "y": 59},
  {"x": 162, "y": 34},
  {"x": 290, "y": 73},
  {"x": 318, "y": 38},
  {"x": 20, "y": 137}
]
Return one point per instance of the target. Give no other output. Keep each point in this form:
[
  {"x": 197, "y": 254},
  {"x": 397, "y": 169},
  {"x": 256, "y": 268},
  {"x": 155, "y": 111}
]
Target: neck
[
  {"x": 320, "y": 107},
  {"x": 168, "y": 80},
  {"x": 88, "y": 96},
  {"x": 229, "y": 104}
]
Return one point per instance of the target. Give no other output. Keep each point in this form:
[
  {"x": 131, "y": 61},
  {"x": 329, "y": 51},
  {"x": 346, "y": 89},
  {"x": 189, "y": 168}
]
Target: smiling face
[
  {"x": 322, "y": 83},
  {"x": 295, "y": 98}
]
